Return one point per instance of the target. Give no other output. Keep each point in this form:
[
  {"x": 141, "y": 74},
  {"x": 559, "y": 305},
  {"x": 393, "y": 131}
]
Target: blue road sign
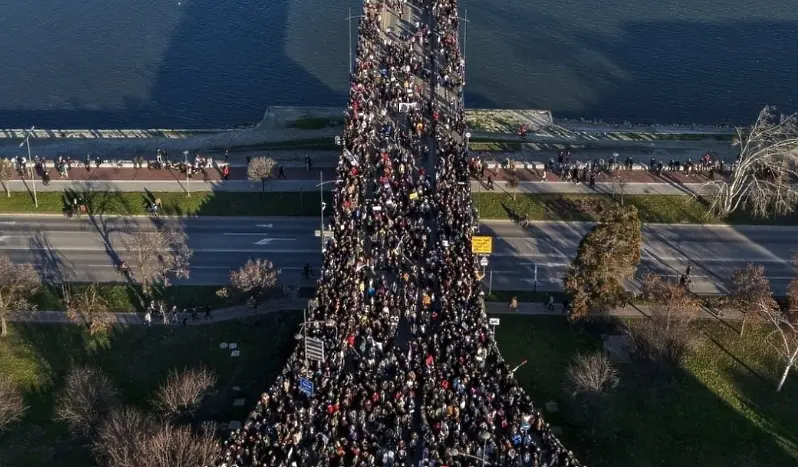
[{"x": 306, "y": 386}]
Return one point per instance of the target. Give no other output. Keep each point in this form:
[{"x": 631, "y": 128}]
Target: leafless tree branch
[
  {"x": 182, "y": 392},
  {"x": 260, "y": 169},
  {"x": 763, "y": 179},
  {"x": 255, "y": 278},
  {"x": 159, "y": 255},
  {"x": 12, "y": 405},
  {"x": 87, "y": 307},
  {"x": 17, "y": 281},
  {"x": 87, "y": 398}
]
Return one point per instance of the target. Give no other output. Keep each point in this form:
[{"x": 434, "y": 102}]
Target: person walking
[
  {"x": 148, "y": 318},
  {"x": 208, "y": 315}
]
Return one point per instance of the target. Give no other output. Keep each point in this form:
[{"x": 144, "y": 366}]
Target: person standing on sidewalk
[
  {"x": 226, "y": 172},
  {"x": 148, "y": 318},
  {"x": 308, "y": 163},
  {"x": 281, "y": 171},
  {"x": 208, "y": 312},
  {"x": 514, "y": 304}
]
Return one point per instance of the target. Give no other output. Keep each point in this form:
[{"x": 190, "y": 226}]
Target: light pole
[
  {"x": 349, "y": 19},
  {"x": 188, "y": 169},
  {"x": 454, "y": 452},
  {"x": 26, "y": 141},
  {"x": 322, "y": 206},
  {"x": 465, "y": 39}
]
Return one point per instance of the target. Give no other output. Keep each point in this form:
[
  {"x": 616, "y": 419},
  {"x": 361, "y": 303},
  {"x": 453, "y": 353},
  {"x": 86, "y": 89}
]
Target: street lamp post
[
  {"x": 30, "y": 161},
  {"x": 188, "y": 179},
  {"x": 454, "y": 452},
  {"x": 349, "y": 19},
  {"x": 322, "y": 206},
  {"x": 465, "y": 39}
]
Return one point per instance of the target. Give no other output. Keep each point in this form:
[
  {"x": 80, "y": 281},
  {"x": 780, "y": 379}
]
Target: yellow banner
[
  {"x": 482, "y": 245},
  {"x": 414, "y": 195}
]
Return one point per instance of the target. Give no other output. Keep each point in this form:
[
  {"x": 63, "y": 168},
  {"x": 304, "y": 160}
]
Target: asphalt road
[
  {"x": 77, "y": 249},
  {"x": 714, "y": 252},
  {"x": 85, "y": 251}
]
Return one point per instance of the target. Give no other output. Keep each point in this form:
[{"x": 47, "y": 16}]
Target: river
[{"x": 212, "y": 63}]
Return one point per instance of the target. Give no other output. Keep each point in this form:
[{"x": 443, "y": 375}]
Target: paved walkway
[
  {"x": 631, "y": 311},
  {"x": 240, "y": 312},
  {"x": 137, "y": 319},
  {"x": 298, "y": 179}
]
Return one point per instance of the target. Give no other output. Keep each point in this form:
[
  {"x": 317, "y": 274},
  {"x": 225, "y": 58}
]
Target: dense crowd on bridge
[{"x": 410, "y": 375}]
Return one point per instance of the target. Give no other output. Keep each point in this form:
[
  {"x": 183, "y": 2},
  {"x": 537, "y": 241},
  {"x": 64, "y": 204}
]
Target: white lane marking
[
  {"x": 266, "y": 241},
  {"x": 649, "y": 257},
  {"x": 196, "y": 250},
  {"x": 265, "y": 226}
]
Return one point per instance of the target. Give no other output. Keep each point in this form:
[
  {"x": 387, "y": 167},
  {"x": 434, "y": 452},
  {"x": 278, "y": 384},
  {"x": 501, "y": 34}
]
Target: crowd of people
[{"x": 410, "y": 374}]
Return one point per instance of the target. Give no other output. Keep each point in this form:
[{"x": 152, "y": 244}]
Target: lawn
[
  {"x": 198, "y": 204},
  {"x": 137, "y": 359},
  {"x": 720, "y": 410},
  {"x": 664, "y": 209},
  {"x": 124, "y": 297},
  {"x": 316, "y": 123}
]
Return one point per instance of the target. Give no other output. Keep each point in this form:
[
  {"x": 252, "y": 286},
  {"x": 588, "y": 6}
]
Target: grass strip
[
  {"x": 174, "y": 204},
  {"x": 721, "y": 401},
  {"x": 136, "y": 359},
  {"x": 125, "y": 298},
  {"x": 316, "y": 123},
  {"x": 663, "y": 209}
]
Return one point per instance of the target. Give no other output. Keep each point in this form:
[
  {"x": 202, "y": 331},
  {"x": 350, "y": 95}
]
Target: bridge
[{"x": 396, "y": 363}]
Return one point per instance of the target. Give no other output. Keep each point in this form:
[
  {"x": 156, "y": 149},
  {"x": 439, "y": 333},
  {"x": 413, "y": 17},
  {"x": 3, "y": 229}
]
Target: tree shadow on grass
[
  {"x": 137, "y": 359},
  {"x": 679, "y": 421}
]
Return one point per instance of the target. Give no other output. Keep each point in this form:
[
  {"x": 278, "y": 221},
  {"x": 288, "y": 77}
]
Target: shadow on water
[
  {"x": 667, "y": 71},
  {"x": 224, "y": 65}
]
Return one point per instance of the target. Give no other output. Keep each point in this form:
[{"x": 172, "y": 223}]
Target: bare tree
[
  {"x": 618, "y": 185},
  {"x": 12, "y": 405},
  {"x": 122, "y": 438},
  {"x": 87, "y": 398},
  {"x": 178, "y": 446},
  {"x": 182, "y": 392},
  {"x": 159, "y": 255},
  {"x": 17, "y": 282},
  {"x": 129, "y": 438},
  {"x": 783, "y": 338},
  {"x": 669, "y": 300},
  {"x": 512, "y": 182},
  {"x": 7, "y": 172},
  {"x": 591, "y": 377},
  {"x": 255, "y": 278},
  {"x": 750, "y": 293},
  {"x": 763, "y": 179},
  {"x": 260, "y": 169},
  {"x": 87, "y": 307}
]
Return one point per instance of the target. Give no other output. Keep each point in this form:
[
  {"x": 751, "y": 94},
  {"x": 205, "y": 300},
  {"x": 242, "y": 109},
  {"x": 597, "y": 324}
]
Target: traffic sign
[
  {"x": 314, "y": 349},
  {"x": 484, "y": 261},
  {"x": 493, "y": 321},
  {"x": 306, "y": 386},
  {"x": 482, "y": 244}
]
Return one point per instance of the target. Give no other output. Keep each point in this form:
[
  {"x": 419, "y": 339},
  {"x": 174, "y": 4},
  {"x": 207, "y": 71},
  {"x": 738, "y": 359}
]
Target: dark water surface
[{"x": 212, "y": 63}]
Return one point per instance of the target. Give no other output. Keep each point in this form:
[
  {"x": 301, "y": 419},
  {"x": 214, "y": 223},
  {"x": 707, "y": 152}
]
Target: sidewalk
[
  {"x": 240, "y": 312},
  {"x": 137, "y": 319},
  {"x": 631, "y": 311}
]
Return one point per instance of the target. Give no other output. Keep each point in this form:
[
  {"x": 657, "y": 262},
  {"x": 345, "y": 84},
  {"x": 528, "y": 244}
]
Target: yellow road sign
[{"x": 482, "y": 245}]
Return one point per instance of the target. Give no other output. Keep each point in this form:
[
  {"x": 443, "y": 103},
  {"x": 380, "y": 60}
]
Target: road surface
[
  {"x": 77, "y": 249},
  {"x": 84, "y": 251},
  {"x": 713, "y": 251}
]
